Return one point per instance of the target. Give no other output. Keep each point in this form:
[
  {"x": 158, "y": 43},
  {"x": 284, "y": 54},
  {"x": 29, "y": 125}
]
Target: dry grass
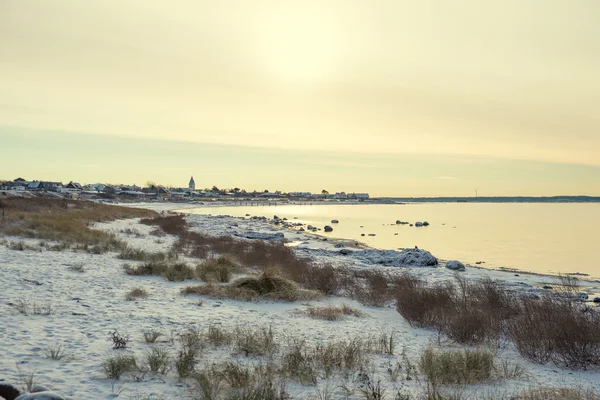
[
  {"x": 136, "y": 293},
  {"x": 115, "y": 367},
  {"x": 372, "y": 287},
  {"x": 219, "y": 269},
  {"x": 255, "y": 288},
  {"x": 175, "y": 272},
  {"x": 218, "y": 336},
  {"x": 332, "y": 313},
  {"x": 255, "y": 341},
  {"x": 65, "y": 221},
  {"x": 456, "y": 367}
]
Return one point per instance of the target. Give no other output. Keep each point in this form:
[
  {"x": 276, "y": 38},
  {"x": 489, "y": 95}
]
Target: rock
[
  {"x": 295, "y": 217},
  {"x": 47, "y": 395},
  {"x": 411, "y": 225},
  {"x": 371, "y": 234},
  {"x": 362, "y": 234},
  {"x": 345, "y": 252},
  {"x": 335, "y": 221},
  {"x": 339, "y": 245},
  {"x": 264, "y": 236},
  {"x": 275, "y": 217},
  {"x": 310, "y": 228},
  {"x": 301, "y": 230},
  {"x": 328, "y": 228},
  {"x": 425, "y": 223},
  {"x": 247, "y": 215},
  {"x": 582, "y": 296},
  {"x": 547, "y": 287},
  {"x": 393, "y": 258},
  {"x": 455, "y": 265},
  {"x": 418, "y": 223},
  {"x": 398, "y": 222},
  {"x": 9, "y": 392},
  {"x": 596, "y": 300},
  {"x": 39, "y": 388}
]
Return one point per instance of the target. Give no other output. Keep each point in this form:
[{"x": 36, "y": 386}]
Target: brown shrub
[
  {"x": 557, "y": 394},
  {"x": 217, "y": 269},
  {"x": 172, "y": 224},
  {"x": 555, "y": 329},
  {"x": 371, "y": 287},
  {"x": 469, "y": 312}
]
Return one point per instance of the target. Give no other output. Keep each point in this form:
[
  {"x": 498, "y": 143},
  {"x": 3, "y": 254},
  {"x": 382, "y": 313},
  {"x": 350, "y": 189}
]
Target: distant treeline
[{"x": 494, "y": 199}]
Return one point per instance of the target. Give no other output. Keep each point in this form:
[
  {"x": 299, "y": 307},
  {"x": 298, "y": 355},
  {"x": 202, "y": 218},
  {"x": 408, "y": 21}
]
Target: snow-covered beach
[{"x": 87, "y": 296}]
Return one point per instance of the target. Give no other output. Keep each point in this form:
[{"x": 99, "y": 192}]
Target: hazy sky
[{"x": 395, "y": 97}]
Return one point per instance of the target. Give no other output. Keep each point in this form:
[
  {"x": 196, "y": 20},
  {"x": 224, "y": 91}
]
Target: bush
[
  {"x": 469, "y": 312},
  {"x": 151, "y": 335},
  {"x": 298, "y": 363},
  {"x": 218, "y": 336},
  {"x": 343, "y": 356},
  {"x": 136, "y": 293},
  {"x": 457, "y": 367},
  {"x": 371, "y": 288},
  {"x": 555, "y": 329},
  {"x": 116, "y": 366}
]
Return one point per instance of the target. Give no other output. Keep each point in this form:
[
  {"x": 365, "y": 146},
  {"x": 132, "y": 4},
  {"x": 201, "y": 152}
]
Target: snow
[{"x": 89, "y": 304}]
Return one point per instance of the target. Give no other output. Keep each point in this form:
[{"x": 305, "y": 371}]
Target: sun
[{"x": 300, "y": 46}]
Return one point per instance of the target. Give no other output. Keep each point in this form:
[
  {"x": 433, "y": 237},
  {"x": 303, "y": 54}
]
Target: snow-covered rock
[
  {"x": 41, "y": 396},
  {"x": 394, "y": 258},
  {"x": 455, "y": 265},
  {"x": 39, "y": 388},
  {"x": 264, "y": 236}
]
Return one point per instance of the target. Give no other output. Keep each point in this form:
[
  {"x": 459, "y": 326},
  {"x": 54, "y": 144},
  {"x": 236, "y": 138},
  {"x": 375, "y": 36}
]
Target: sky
[{"x": 390, "y": 97}]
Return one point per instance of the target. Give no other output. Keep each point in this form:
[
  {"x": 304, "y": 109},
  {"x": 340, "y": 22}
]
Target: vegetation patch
[
  {"x": 332, "y": 313},
  {"x": 218, "y": 269},
  {"x": 254, "y": 288},
  {"x": 136, "y": 293},
  {"x": 65, "y": 221},
  {"x": 456, "y": 367},
  {"x": 176, "y": 272}
]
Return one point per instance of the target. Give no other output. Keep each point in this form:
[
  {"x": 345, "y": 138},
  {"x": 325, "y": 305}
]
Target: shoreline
[{"x": 323, "y": 242}]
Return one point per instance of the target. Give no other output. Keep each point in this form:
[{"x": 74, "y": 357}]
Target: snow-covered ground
[{"x": 88, "y": 305}]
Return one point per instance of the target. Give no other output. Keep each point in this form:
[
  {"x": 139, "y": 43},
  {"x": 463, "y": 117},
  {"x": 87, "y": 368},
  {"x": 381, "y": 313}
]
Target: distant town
[{"x": 152, "y": 191}]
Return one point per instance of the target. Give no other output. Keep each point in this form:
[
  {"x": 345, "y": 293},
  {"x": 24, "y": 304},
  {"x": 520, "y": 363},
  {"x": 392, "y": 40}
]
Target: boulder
[
  {"x": 339, "y": 245},
  {"x": 275, "y": 217},
  {"x": 398, "y": 222},
  {"x": 418, "y": 223},
  {"x": 582, "y": 296},
  {"x": 335, "y": 221},
  {"x": 328, "y": 228},
  {"x": 345, "y": 252},
  {"x": 371, "y": 234},
  {"x": 425, "y": 223},
  {"x": 596, "y": 300},
  {"x": 47, "y": 395},
  {"x": 393, "y": 258},
  {"x": 455, "y": 265},
  {"x": 9, "y": 392},
  {"x": 362, "y": 234}
]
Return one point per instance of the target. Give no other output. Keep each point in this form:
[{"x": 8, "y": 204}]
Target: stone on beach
[
  {"x": 455, "y": 265},
  {"x": 328, "y": 228},
  {"x": 335, "y": 221},
  {"x": 418, "y": 223},
  {"x": 264, "y": 236}
]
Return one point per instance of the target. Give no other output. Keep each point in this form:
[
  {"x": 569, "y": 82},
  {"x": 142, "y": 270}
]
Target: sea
[{"x": 535, "y": 237}]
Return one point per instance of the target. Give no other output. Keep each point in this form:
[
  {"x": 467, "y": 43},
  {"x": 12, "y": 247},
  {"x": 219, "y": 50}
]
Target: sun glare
[{"x": 300, "y": 47}]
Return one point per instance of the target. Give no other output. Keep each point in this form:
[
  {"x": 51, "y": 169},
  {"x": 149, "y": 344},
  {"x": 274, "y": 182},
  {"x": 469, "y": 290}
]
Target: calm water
[{"x": 529, "y": 236}]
